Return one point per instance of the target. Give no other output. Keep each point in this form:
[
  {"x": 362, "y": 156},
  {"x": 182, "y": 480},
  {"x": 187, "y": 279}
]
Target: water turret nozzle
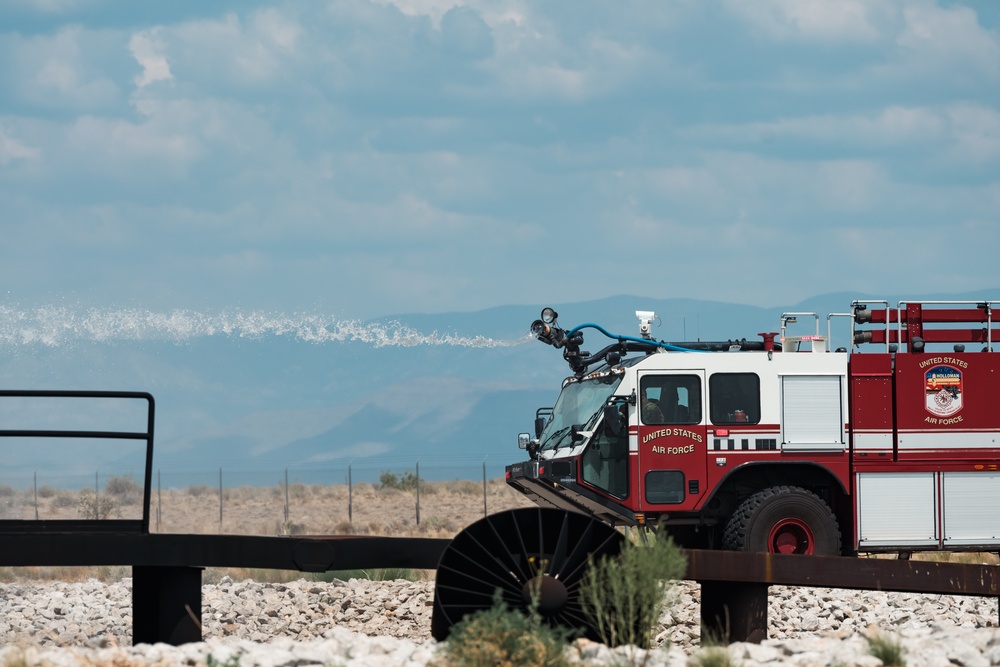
[{"x": 546, "y": 330}]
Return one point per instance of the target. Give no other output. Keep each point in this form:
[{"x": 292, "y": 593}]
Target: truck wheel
[{"x": 784, "y": 520}]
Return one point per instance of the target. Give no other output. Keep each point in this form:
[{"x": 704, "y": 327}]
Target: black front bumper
[{"x": 554, "y": 484}]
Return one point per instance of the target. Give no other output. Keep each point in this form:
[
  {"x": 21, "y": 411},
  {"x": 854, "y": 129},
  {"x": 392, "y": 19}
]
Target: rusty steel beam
[
  {"x": 734, "y": 584},
  {"x": 303, "y": 553}
]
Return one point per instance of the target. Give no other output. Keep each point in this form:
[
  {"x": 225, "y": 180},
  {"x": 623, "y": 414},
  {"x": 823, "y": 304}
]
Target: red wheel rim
[{"x": 791, "y": 536}]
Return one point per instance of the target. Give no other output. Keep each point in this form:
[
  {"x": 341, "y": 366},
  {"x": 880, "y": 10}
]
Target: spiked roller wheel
[{"x": 521, "y": 552}]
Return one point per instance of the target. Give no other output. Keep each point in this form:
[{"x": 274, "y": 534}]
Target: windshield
[{"x": 579, "y": 403}]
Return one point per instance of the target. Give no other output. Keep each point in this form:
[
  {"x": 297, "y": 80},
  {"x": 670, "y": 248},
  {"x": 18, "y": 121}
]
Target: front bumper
[{"x": 554, "y": 484}]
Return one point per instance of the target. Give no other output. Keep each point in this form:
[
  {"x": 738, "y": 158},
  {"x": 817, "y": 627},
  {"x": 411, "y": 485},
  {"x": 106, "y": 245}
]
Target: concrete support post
[
  {"x": 733, "y": 611},
  {"x": 166, "y": 605}
]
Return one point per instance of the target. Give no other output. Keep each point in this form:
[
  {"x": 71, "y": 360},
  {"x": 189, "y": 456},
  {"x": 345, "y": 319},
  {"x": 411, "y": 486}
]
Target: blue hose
[{"x": 660, "y": 344}]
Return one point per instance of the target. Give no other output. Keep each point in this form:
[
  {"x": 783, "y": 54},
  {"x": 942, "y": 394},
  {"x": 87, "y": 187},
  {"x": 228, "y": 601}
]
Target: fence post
[
  {"x": 159, "y": 500},
  {"x": 350, "y": 497},
  {"x": 97, "y": 495},
  {"x": 286, "y": 495},
  {"x": 418, "y": 493},
  {"x": 220, "y": 499},
  {"x": 484, "y": 488},
  {"x": 36, "y": 495}
]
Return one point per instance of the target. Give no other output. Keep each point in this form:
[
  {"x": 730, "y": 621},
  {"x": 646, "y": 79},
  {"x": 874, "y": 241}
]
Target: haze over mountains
[{"x": 449, "y": 391}]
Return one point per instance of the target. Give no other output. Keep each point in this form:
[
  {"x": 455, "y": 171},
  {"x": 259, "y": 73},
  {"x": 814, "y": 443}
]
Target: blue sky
[{"x": 373, "y": 157}]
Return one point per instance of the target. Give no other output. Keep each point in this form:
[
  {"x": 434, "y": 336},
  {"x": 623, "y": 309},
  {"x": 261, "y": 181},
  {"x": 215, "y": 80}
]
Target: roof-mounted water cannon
[
  {"x": 646, "y": 318},
  {"x": 546, "y": 330}
]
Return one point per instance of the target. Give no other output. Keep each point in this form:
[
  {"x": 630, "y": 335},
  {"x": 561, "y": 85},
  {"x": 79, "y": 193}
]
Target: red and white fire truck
[{"x": 781, "y": 444}]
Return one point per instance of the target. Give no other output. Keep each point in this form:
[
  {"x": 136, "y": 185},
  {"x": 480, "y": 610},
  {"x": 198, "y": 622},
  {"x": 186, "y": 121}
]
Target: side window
[
  {"x": 670, "y": 399},
  {"x": 665, "y": 487},
  {"x": 734, "y": 398}
]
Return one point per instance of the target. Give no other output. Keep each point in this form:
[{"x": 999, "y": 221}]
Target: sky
[{"x": 375, "y": 157}]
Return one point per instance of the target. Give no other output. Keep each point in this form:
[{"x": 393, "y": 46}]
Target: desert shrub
[
  {"x": 405, "y": 482},
  {"x": 888, "y": 649},
  {"x": 6, "y": 491},
  {"x": 199, "y": 490},
  {"x": 442, "y": 523},
  {"x": 231, "y": 661},
  {"x": 298, "y": 491},
  {"x": 124, "y": 487},
  {"x": 505, "y": 637},
  {"x": 713, "y": 656},
  {"x": 465, "y": 487},
  {"x": 46, "y": 491},
  {"x": 624, "y": 595},
  {"x": 112, "y": 572},
  {"x": 63, "y": 500},
  {"x": 289, "y": 528},
  {"x": 100, "y": 507}
]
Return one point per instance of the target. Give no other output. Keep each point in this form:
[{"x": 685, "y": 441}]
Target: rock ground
[{"x": 363, "y": 622}]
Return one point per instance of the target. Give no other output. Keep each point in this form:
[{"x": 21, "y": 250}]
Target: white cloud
[
  {"x": 257, "y": 50},
  {"x": 435, "y": 9},
  {"x": 437, "y": 147},
  {"x": 976, "y": 133},
  {"x": 824, "y": 20},
  {"x": 953, "y": 134},
  {"x": 949, "y": 40},
  {"x": 51, "y": 6},
  {"x": 147, "y": 49},
  {"x": 11, "y": 149},
  {"x": 56, "y": 71}
]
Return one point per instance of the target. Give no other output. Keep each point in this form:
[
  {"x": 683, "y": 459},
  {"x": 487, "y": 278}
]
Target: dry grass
[
  {"x": 445, "y": 509},
  {"x": 365, "y": 509}
]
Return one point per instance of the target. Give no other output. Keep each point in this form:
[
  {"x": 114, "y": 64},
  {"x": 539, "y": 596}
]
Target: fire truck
[{"x": 779, "y": 443}]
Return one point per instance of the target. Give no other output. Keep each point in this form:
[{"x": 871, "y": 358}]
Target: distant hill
[{"x": 450, "y": 402}]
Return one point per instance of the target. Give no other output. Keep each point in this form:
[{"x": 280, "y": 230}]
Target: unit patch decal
[{"x": 943, "y": 390}]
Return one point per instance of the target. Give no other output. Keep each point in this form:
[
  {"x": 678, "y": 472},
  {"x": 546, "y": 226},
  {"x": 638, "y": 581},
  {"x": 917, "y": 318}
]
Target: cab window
[
  {"x": 734, "y": 398},
  {"x": 670, "y": 399}
]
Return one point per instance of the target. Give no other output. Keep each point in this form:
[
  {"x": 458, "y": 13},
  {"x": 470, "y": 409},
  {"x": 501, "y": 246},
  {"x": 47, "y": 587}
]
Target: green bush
[
  {"x": 887, "y": 649},
  {"x": 124, "y": 487},
  {"x": 100, "y": 507},
  {"x": 63, "y": 500},
  {"x": 712, "y": 656},
  {"x": 505, "y": 637},
  {"x": 405, "y": 482},
  {"x": 623, "y": 596}
]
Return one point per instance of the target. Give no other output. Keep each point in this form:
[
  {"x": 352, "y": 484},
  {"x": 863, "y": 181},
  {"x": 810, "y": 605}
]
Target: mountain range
[{"x": 449, "y": 394}]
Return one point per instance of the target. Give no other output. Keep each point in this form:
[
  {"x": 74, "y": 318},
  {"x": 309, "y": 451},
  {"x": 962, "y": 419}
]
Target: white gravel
[{"x": 362, "y": 622}]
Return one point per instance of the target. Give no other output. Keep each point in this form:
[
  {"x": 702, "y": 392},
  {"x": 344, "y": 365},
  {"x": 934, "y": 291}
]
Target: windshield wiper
[{"x": 556, "y": 434}]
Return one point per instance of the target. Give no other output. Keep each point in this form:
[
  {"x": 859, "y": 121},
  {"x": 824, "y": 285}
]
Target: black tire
[{"x": 784, "y": 519}]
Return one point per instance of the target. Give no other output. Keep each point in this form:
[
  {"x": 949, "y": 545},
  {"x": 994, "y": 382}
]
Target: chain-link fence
[{"x": 432, "y": 500}]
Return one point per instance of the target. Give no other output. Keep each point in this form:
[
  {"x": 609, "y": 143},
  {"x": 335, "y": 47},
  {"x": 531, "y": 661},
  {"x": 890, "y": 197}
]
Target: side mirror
[
  {"x": 523, "y": 439},
  {"x": 539, "y": 425},
  {"x": 613, "y": 421}
]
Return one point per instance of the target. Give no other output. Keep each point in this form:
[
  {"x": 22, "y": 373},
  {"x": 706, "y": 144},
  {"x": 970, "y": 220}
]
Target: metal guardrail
[{"x": 95, "y": 525}]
